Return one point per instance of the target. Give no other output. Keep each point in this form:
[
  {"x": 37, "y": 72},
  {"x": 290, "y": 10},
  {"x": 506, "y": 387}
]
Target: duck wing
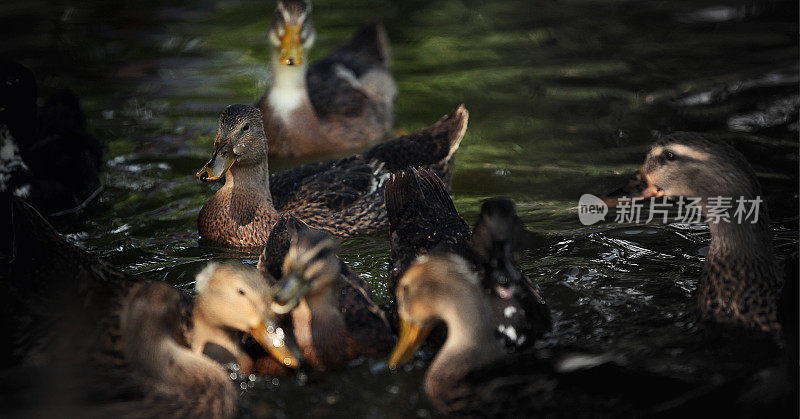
[
  {"x": 370, "y": 333},
  {"x": 338, "y": 83},
  {"x": 345, "y": 197}
]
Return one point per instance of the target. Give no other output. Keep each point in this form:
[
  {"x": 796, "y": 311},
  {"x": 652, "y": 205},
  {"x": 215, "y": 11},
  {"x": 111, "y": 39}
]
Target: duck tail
[
  {"x": 416, "y": 187},
  {"x": 431, "y": 148},
  {"x": 448, "y": 132},
  {"x": 370, "y": 43}
]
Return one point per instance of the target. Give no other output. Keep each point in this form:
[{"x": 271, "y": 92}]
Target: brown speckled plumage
[
  {"x": 342, "y": 197},
  {"x": 342, "y": 101},
  {"x": 741, "y": 282},
  {"x": 361, "y": 329}
]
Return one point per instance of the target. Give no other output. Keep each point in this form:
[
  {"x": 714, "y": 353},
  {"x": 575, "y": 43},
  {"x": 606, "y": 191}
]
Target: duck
[
  {"x": 472, "y": 375},
  {"x": 342, "y": 197},
  {"x": 741, "y": 282},
  {"x": 334, "y": 320},
  {"x": 424, "y": 221},
  {"x": 106, "y": 343},
  {"x": 40, "y": 144},
  {"x": 342, "y": 101}
]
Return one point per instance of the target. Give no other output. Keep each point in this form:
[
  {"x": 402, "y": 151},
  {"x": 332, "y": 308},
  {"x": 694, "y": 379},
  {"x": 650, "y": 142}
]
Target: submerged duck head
[
  {"x": 292, "y": 33},
  {"x": 691, "y": 165},
  {"x": 311, "y": 265},
  {"x": 238, "y": 298},
  {"x": 497, "y": 237},
  {"x": 240, "y": 141}
]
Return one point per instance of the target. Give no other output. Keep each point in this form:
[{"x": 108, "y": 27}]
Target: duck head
[
  {"x": 231, "y": 297},
  {"x": 693, "y": 165},
  {"x": 439, "y": 288},
  {"x": 311, "y": 266},
  {"x": 497, "y": 237},
  {"x": 292, "y": 33},
  {"x": 240, "y": 141}
]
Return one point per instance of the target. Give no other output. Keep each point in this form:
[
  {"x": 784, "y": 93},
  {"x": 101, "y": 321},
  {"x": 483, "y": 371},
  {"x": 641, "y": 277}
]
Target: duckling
[
  {"x": 40, "y": 145},
  {"x": 132, "y": 347},
  {"x": 741, "y": 282},
  {"x": 472, "y": 375},
  {"x": 343, "y": 197},
  {"x": 424, "y": 221},
  {"x": 335, "y": 320},
  {"x": 342, "y": 101}
]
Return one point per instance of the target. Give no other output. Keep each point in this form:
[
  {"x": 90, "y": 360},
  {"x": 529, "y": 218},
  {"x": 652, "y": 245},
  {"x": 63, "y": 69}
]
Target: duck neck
[
  {"x": 741, "y": 282},
  {"x": 250, "y": 183},
  {"x": 205, "y": 333},
  {"x": 288, "y": 91},
  {"x": 320, "y": 328},
  {"x": 471, "y": 343}
]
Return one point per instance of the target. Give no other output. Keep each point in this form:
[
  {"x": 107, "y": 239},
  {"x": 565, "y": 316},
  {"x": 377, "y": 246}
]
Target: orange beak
[{"x": 291, "y": 52}]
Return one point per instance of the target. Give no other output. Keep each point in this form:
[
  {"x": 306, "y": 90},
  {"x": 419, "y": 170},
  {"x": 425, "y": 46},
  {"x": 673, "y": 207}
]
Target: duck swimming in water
[
  {"x": 342, "y": 101},
  {"x": 104, "y": 343},
  {"x": 741, "y": 282},
  {"x": 424, "y": 221},
  {"x": 335, "y": 319},
  {"x": 473, "y": 375},
  {"x": 342, "y": 197}
]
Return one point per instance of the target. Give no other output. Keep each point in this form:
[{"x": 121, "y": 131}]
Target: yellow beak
[
  {"x": 222, "y": 160},
  {"x": 269, "y": 336},
  {"x": 411, "y": 338},
  {"x": 291, "y": 52}
]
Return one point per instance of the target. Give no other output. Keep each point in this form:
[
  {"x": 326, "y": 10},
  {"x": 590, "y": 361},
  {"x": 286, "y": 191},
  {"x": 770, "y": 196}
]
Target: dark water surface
[{"x": 564, "y": 98}]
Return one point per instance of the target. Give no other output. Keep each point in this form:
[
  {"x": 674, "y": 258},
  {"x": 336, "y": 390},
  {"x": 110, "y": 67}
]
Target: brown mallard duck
[
  {"x": 741, "y": 282},
  {"x": 424, "y": 221},
  {"x": 342, "y": 197},
  {"x": 335, "y": 320},
  {"x": 342, "y": 101},
  {"x": 106, "y": 344},
  {"x": 473, "y": 375}
]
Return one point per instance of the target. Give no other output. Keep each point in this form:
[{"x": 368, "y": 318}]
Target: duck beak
[
  {"x": 271, "y": 338},
  {"x": 291, "y": 52},
  {"x": 222, "y": 160},
  {"x": 288, "y": 292},
  {"x": 411, "y": 337},
  {"x": 639, "y": 186}
]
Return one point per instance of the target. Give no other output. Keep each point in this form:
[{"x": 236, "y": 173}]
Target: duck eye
[
  {"x": 246, "y": 127},
  {"x": 669, "y": 155},
  {"x": 240, "y": 291}
]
